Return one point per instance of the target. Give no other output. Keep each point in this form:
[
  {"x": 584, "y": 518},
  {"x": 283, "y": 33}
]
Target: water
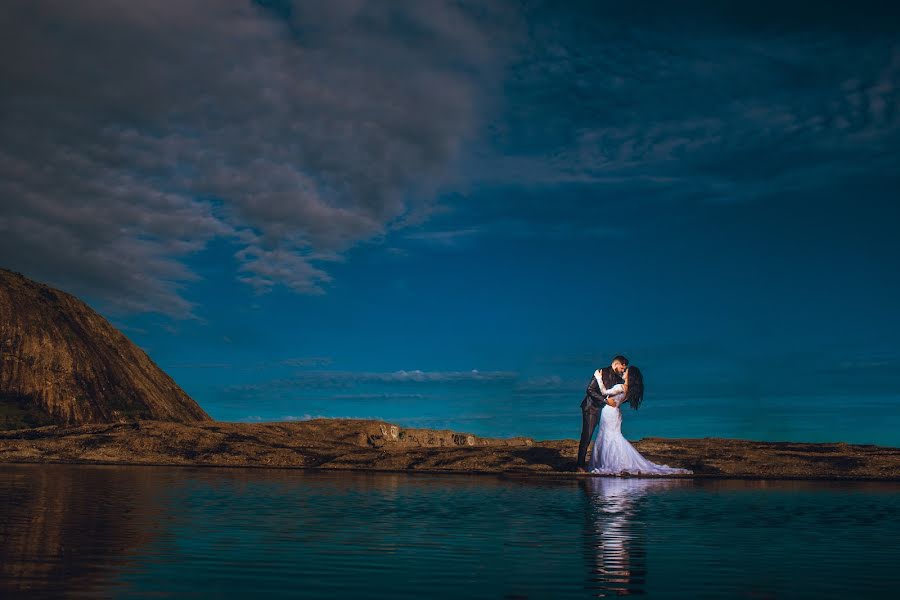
[
  {"x": 92, "y": 531},
  {"x": 874, "y": 419}
]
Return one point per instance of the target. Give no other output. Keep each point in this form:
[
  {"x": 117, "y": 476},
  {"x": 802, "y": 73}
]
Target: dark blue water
[
  {"x": 874, "y": 418},
  {"x": 169, "y": 532}
]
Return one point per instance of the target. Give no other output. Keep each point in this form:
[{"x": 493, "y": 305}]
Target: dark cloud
[{"x": 135, "y": 132}]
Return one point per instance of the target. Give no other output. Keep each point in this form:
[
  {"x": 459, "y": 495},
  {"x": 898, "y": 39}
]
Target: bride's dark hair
[{"x": 635, "y": 387}]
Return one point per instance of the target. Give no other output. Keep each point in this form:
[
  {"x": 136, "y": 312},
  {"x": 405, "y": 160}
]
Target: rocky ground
[{"x": 377, "y": 445}]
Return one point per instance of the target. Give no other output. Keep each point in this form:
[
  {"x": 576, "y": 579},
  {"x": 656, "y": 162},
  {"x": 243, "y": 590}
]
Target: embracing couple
[{"x": 612, "y": 454}]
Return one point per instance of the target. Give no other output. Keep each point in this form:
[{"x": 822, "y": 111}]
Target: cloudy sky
[{"x": 449, "y": 213}]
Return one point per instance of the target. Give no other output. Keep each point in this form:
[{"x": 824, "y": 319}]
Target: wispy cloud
[
  {"x": 328, "y": 379},
  {"x": 383, "y": 396},
  {"x": 550, "y": 385},
  {"x": 418, "y": 376},
  {"x": 299, "y": 362},
  {"x": 518, "y": 230},
  {"x": 310, "y": 361},
  {"x": 310, "y": 417},
  {"x": 698, "y": 103},
  {"x": 445, "y": 237}
]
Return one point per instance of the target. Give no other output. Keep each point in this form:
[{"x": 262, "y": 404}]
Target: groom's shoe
[{"x": 580, "y": 469}]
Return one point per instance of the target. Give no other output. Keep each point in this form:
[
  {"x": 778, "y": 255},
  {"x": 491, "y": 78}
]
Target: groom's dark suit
[{"x": 590, "y": 409}]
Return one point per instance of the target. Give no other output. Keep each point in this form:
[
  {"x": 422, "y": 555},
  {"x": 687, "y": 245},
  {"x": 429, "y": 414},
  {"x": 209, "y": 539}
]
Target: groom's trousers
[{"x": 590, "y": 415}]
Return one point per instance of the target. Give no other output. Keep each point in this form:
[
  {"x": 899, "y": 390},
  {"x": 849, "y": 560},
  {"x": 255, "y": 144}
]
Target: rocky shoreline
[
  {"x": 74, "y": 389},
  {"x": 349, "y": 444}
]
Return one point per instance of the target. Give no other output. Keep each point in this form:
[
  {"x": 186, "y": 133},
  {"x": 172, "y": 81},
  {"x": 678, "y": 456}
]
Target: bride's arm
[
  {"x": 599, "y": 379},
  {"x": 603, "y": 390},
  {"x": 616, "y": 395},
  {"x": 609, "y": 393},
  {"x": 615, "y": 390}
]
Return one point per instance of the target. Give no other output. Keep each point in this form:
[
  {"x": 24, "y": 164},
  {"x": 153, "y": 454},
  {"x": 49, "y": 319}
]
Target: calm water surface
[{"x": 164, "y": 532}]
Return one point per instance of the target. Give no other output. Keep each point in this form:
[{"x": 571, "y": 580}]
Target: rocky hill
[{"x": 62, "y": 363}]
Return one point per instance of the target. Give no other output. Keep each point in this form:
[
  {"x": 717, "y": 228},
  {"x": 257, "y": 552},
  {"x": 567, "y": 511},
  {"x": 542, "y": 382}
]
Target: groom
[{"x": 593, "y": 402}]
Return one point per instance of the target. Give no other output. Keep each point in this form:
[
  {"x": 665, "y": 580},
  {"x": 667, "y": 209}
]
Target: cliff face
[{"x": 62, "y": 363}]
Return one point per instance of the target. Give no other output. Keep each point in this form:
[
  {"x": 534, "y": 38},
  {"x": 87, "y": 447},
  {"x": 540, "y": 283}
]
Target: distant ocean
[
  {"x": 867, "y": 419},
  {"x": 806, "y": 419}
]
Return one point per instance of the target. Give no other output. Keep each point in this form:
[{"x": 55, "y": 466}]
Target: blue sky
[{"x": 449, "y": 214}]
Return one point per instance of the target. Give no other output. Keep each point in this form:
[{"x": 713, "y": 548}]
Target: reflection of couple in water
[
  {"x": 612, "y": 454},
  {"x": 615, "y": 542}
]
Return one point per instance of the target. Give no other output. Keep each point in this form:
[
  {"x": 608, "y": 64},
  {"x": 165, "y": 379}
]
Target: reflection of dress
[
  {"x": 613, "y": 454},
  {"x": 616, "y": 532}
]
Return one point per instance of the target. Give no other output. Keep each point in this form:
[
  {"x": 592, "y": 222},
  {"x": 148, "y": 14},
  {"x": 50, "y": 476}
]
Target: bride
[{"x": 612, "y": 453}]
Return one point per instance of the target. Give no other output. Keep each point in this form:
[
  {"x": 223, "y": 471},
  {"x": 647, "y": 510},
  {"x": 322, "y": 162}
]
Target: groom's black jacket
[{"x": 593, "y": 397}]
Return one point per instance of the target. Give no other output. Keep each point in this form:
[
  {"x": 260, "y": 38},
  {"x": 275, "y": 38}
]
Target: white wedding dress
[{"x": 613, "y": 454}]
